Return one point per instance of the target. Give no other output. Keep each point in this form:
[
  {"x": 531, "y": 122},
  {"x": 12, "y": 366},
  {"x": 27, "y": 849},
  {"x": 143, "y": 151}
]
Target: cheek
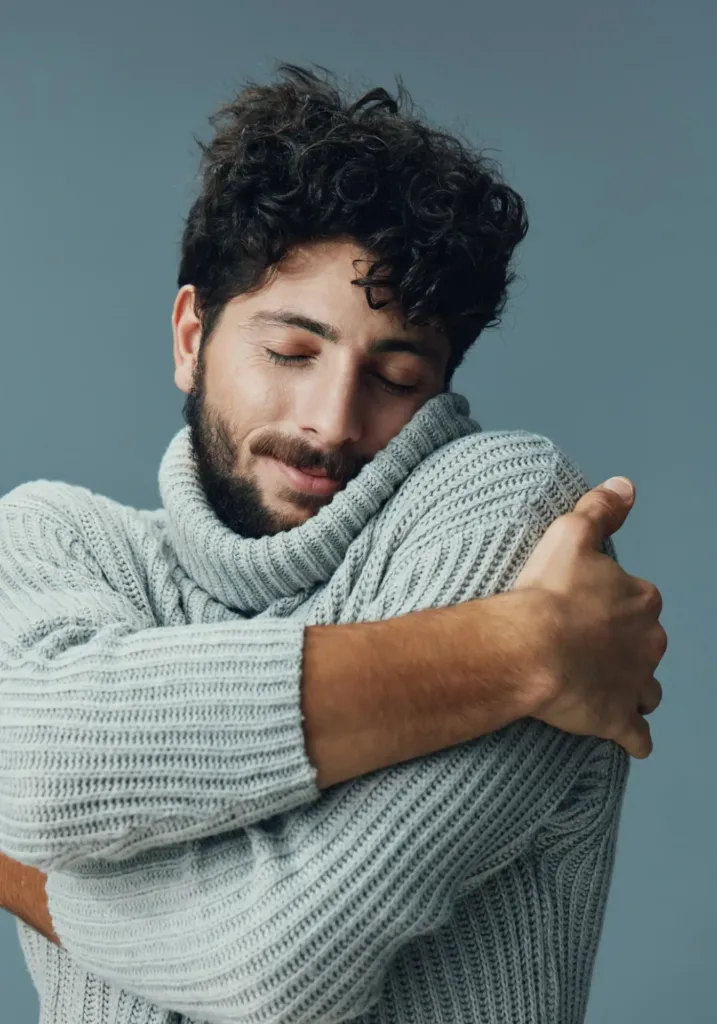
[
  {"x": 248, "y": 393},
  {"x": 256, "y": 404}
]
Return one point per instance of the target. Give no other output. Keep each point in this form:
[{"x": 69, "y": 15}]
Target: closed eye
[{"x": 389, "y": 385}]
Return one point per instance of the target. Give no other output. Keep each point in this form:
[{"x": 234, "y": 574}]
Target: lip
[{"x": 308, "y": 483}]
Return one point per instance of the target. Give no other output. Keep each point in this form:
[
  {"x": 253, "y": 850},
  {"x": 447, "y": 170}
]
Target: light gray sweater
[{"x": 153, "y": 762}]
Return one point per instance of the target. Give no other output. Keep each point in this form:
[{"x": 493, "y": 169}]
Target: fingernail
[{"x": 621, "y": 486}]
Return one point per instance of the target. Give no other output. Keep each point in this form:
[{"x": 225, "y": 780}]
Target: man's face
[{"x": 256, "y": 420}]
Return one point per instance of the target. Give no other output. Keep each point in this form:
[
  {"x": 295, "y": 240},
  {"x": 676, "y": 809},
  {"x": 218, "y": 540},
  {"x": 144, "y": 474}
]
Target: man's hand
[
  {"x": 22, "y": 893},
  {"x": 605, "y": 641}
]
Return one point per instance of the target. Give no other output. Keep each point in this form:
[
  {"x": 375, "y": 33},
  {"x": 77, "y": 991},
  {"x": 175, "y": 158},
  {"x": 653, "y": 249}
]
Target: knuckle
[
  {"x": 651, "y": 596},
  {"x": 576, "y": 525},
  {"x": 568, "y": 521},
  {"x": 643, "y": 739}
]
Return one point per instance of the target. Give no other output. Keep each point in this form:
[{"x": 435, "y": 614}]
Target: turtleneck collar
[{"x": 248, "y": 574}]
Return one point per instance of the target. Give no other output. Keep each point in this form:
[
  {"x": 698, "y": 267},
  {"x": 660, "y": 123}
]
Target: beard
[{"x": 235, "y": 499}]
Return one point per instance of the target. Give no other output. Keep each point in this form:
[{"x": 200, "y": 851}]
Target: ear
[{"x": 187, "y": 331}]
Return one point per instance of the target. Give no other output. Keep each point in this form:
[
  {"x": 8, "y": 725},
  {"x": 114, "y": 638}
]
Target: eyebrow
[{"x": 292, "y": 318}]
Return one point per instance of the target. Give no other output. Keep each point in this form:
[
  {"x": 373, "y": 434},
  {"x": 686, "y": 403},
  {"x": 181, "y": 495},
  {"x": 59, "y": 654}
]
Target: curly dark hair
[{"x": 294, "y": 161}]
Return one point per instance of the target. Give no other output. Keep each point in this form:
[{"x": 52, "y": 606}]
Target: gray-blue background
[{"x": 603, "y": 115}]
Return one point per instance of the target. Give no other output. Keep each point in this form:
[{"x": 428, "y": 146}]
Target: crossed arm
[{"x": 481, "y": 788}]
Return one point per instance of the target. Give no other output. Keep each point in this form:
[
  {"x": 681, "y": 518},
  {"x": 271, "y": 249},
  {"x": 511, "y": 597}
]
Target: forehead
[{"x": 314, "y": 283}]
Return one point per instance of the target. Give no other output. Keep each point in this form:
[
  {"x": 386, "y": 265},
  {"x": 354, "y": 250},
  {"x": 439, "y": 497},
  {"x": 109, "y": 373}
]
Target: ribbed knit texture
[{"x": 153, "y": 762}]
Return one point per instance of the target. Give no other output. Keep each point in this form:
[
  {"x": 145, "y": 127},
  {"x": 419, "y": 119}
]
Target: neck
[{"x": 246, "y": 573}]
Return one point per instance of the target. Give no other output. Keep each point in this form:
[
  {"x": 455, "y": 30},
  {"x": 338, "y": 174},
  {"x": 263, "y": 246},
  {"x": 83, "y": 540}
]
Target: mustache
[{"x": 337, "y": 465}]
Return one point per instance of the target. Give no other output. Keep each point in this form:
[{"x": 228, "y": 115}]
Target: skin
[
  {"x": 332, "y": 409},
  {"x": 22, "y": 892}
]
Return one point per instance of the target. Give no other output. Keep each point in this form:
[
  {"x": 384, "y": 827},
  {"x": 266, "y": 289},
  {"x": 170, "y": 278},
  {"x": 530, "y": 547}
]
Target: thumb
[{"x": 607, "y": 506}]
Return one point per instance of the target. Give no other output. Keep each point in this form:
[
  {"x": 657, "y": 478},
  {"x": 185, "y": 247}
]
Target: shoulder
[
  {"x": 53, "y": 501},
  {"x": 65, "y": 504},
  {"x": 75, "y": 538},
  {"x": 491, "y": 477},
  {"x": 77, "y": 515},
  {"x": 514, "y": 464}
]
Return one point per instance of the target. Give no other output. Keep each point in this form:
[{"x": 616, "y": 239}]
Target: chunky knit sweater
[{"x": 153, "y": 761}]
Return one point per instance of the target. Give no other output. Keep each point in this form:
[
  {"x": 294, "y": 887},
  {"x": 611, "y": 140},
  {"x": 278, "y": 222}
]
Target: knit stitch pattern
[{"x": 153, "y": 761}]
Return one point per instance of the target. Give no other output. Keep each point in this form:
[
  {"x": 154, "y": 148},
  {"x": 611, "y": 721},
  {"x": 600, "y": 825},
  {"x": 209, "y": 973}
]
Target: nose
[{"x": 331, "y": 412}]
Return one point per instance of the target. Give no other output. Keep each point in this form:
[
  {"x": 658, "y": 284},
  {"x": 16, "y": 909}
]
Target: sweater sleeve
[
  {"x": 117, "y": 734},
  {"x": 297, "y": 918}
]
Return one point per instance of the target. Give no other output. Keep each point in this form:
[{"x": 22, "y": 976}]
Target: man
[{"x": 331, "y": 735}]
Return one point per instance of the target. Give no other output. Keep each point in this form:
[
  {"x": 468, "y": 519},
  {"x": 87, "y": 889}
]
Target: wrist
[
  {"x": 536, "y": 616},
  {"x": 492, "y": 655},
  {"x": 524, "y": 625}
]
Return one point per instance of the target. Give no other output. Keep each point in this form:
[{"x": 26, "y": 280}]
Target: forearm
[
  {"x": 587, "y": 824},
  {"x": 371, "y": 694},
  {"x": 378, "y": 693},
  {"x": 209, "y": 738},
  {"x": 573, "y": 901},
  {"x": 407, "y": 689},
  {"x": 261, "y": 924},
  {"x": 217, "y": 733}
]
